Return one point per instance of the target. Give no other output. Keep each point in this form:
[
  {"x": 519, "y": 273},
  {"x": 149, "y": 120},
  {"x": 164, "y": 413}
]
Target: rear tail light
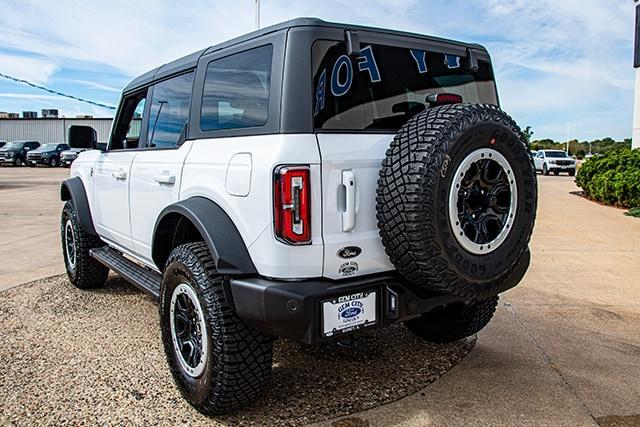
[
  {"x": 444, "y": 98},
  {"x": 292, "y": 204}
]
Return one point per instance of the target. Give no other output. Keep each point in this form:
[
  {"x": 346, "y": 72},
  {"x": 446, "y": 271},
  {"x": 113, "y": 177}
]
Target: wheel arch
[
  {"x": 73, "y": 190},
  {"x": 199, "y": 218}
]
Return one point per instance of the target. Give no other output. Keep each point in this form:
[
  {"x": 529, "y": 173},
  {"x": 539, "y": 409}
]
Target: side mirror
[{"x": 82, "y": 137}]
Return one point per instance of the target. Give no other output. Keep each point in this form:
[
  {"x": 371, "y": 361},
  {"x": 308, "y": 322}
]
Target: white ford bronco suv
[{"x": 305, "y": 181}]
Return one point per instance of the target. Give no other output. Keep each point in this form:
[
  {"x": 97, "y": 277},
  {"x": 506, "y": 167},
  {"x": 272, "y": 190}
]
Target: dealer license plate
[{"x": 348, "y": 312}]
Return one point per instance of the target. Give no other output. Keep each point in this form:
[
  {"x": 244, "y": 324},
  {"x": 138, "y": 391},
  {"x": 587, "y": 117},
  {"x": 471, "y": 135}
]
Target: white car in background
[{"x": 555, "y": 161}]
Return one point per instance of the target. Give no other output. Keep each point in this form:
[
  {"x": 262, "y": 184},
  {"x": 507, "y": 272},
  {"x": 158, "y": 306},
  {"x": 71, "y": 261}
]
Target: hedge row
[{"x": 612, "y": 178}]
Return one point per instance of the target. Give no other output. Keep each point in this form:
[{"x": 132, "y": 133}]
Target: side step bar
[{"x": 142, "y": 277}]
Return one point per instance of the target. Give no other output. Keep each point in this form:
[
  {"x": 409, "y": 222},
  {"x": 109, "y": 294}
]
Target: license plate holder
[{"x": 349, "y": 312}]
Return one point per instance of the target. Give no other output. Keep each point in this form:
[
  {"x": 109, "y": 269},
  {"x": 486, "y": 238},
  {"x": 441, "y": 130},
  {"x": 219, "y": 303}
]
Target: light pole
[
  {"x": 257, "y": 14},
  {"x": 636, "y": 63}
]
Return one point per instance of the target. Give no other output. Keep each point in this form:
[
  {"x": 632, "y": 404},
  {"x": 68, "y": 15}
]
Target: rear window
[{"x": 387, "y": 85}]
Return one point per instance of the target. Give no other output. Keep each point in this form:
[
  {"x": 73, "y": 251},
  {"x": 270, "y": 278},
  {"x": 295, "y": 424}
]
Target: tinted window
[
  {"x": 169, "y": 111},
  {"x": 387, "y": 85},
  {"x": 236, "y": 90},
  {"x": 126, "y": 134},
  {"x": 556, "y": 154}
]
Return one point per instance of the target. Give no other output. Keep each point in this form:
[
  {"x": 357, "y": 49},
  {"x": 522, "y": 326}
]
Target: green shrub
[{"x": 612, "y": 178}]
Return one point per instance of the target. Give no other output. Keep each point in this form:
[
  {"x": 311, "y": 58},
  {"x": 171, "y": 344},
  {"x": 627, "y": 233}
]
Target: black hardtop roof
[{"x": 190, "y": 61}]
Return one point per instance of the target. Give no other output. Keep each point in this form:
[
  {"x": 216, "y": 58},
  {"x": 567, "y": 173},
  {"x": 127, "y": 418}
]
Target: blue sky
[{"x": 559, "y": 64}]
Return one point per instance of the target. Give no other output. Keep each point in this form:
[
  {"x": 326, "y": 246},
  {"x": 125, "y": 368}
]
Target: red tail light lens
[
  {"x": 292, "y": 204},
  {"x": 444, "y": 98}
]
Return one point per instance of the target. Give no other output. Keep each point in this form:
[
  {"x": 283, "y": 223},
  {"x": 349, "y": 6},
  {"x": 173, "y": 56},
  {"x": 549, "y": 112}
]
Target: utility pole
[
  {"x": 636, "y": 63},
  {"x": 257, "y": 14}
]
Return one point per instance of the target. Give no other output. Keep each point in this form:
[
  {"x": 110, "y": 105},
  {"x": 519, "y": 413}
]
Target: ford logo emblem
[
  {"x": 351, "y": 312},
  {"x": 349, "y": 252}
]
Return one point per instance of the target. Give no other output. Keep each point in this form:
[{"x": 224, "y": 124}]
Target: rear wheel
[
  {"x": 83, "y": 271},
  {"x": 456, "y": 199},
  {"x": 453, "y": 322},
  {"x": 218, "y": 363}
]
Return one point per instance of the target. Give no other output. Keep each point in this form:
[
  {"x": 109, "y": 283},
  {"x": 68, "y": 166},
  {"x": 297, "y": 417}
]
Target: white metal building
[
  {"x": 636, "y": 113},
  {"x": 49, "y": 130}
]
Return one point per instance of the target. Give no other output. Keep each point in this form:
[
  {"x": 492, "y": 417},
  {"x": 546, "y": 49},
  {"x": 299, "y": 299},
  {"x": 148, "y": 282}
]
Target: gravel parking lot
[{"x": 563, "y": 349}]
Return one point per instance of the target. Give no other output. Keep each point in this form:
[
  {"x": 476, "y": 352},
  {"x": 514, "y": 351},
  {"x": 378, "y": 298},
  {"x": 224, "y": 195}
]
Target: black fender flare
[
  {"x": 225, "y": 243},
  {"x": 73, "y": 189}
]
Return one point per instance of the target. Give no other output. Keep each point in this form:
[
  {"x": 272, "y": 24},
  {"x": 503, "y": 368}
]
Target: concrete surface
[
  {"x": 563, "y": 349},
  {"x": 29, "y": 223},
  {"x": 564, "y": 346}
]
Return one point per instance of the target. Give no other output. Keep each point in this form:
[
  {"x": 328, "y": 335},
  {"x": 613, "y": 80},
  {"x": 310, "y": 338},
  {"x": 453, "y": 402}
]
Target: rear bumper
[{"x": 293, "y": 310}]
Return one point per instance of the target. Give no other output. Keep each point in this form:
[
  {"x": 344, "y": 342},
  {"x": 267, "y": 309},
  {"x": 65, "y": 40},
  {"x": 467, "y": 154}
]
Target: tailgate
[{"x": 350, "y": 165}]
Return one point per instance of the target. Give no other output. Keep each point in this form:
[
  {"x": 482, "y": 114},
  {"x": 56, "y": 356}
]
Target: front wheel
[
  {"x": 218, "y": 363},
  {"x": 53, "y": 163},
  {"x": 18, "y": 162},
  {"x": 572, "y": 172},
  {"x": 453, "y": 322},
  {"x": 83, "y": 271},
  {"x": 545, "y": 170}
]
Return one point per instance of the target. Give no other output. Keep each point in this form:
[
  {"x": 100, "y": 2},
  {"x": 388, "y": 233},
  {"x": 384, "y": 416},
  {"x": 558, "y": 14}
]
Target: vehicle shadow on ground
[
  {"x": 313, "y": 383},
  {"x": 100, "y": 351}
]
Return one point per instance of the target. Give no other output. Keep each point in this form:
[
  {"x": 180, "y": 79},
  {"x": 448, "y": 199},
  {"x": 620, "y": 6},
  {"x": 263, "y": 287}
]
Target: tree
[{"x": 528, "y": 133}]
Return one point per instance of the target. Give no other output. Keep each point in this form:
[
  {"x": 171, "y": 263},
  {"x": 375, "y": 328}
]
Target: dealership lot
[{"x": 564, "y": 347}]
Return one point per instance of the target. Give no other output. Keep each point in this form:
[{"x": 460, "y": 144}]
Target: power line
[{"x": 55, "y": 92}]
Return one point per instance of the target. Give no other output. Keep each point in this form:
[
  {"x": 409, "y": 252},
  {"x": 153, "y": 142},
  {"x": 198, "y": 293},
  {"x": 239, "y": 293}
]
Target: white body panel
[
  {"x": 237, "y": 174},
  {"x": 110, "y": 209},
  {"x": 154, "y": 185},
  {"x": 218, "y": 170},
  {"x": 349, "y": 211}
]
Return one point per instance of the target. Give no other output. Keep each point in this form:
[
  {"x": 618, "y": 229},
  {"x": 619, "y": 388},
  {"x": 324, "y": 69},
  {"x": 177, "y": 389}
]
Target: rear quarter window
[
  {"x": 236, "y": 90},
  {"x": 388, "y": 85}
]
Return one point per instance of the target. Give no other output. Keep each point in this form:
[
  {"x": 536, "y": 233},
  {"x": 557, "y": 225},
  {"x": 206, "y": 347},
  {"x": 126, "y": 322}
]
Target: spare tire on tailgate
[{"x": 456, "y": 199}]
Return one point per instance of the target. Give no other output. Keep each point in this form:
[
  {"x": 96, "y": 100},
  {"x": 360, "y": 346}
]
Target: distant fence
[{"x": 49, "y": 130}]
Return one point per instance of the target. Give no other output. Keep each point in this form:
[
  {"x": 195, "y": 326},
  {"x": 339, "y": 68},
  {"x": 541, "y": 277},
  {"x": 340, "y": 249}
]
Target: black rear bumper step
[
  {"x": 142, "y": 277},
  {"x": 293, "y": 309}
]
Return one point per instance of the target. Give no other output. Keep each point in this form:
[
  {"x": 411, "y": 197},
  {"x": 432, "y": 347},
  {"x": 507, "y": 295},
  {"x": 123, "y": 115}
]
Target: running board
[{"x": 142, "y": 277}]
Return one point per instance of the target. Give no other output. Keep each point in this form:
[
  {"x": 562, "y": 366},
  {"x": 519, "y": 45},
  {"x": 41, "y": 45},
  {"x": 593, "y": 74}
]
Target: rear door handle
[
  {"x": 165, "y": 178},
  {"x": 349, "y": 214},
  {"x": 120, "y": 174}
]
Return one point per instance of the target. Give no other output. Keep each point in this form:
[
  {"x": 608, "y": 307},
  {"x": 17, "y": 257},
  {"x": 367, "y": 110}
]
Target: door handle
[
  {"x": 165, "y": 178},
  {"x": 120, "y": 174},
  {"x": 349, "y": 214}
]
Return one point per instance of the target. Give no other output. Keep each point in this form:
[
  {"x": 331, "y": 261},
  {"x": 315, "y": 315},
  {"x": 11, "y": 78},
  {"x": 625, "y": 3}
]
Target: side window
[
  {"x": 236, "y": 90},
  {"x": 169, "y": 111},
  {"x": 126, "y": 133}
]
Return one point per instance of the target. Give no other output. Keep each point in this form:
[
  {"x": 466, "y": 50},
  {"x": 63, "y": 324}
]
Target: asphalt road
[{"x": 563, "y": 349}]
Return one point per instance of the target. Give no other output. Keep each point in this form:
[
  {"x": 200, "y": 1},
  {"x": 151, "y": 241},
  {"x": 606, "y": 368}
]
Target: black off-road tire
[
  {"x": 18, "y": 162},
  {"x": 454, "y": 322},
  {"x": 239, "y": 358},
  {"x": 85, "y": 272},
  {"x": 53, "y": 162},
  {"x": 413, "y": 199}
]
